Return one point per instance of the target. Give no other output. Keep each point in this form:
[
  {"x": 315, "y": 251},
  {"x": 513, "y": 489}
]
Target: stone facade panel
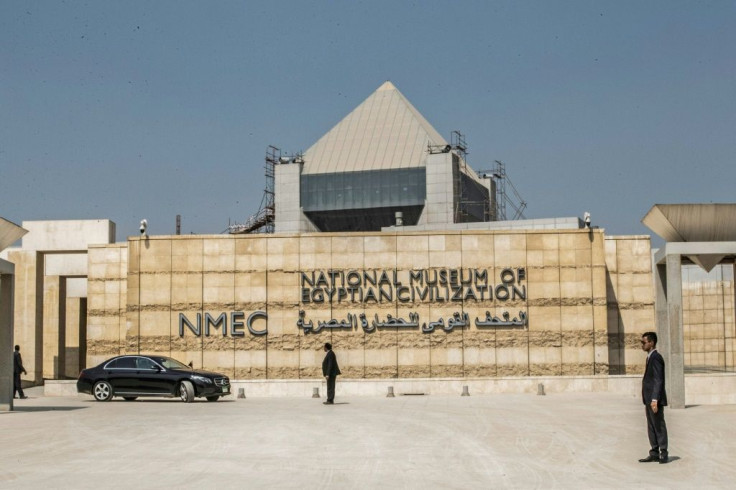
[{"x": 572, "y": 303}]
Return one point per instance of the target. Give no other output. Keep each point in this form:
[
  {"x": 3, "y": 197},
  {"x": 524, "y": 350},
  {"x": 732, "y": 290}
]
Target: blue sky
[{"x": 131, "y": 110}]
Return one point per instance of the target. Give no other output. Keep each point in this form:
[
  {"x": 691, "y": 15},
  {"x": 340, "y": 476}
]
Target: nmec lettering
[{"x": 221, "y": 322}]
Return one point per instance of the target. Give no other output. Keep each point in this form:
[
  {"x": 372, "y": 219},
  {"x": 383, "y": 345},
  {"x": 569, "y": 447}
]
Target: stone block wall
[
  {"x": 75, "y": 333},
  {"x": 138, "y": 293},
  {"x": 708, "y": 324},
  {"x": 50, "y": 307},
  {"x": 28, "y": 310},
  {"x": 107, "y": 283},
  {"x": 630, "y": 301}
]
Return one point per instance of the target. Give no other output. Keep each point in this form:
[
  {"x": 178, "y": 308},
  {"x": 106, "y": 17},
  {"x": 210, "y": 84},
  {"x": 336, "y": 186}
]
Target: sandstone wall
[
  {"x": 28, "y": 310},
  {"x": 630, "y": 298},
  {"x": 586, "y": 298},
  {"x": 708, "y": 324},
  {"x": 106, "y": 302}
]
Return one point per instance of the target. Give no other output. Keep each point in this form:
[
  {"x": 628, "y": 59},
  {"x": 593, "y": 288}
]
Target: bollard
[
  {"x": 315, "y": 393},
  {"x": 390, "y": 393},
  {"x": 465, "y": 391},
  {"x": 540, "y": 389},
  {"x": 241, "y": 392}
]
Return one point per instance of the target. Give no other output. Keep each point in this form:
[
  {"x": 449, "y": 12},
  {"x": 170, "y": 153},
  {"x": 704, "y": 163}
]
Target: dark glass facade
[
  {"x": 365, "y": 200},
  {"x": 363, "y": 190},
  {"x": 474, "y": 203}
]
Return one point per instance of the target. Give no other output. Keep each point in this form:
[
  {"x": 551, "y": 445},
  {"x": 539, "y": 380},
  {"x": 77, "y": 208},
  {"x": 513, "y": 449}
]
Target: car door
[
  {"x": 122, "y": 375},
  {"x": 150, "y": 377}
]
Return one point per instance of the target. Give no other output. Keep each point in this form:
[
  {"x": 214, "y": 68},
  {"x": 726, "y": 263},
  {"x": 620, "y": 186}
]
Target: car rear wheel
[
  {"x": 212, "y": 398},
  {"x": 186, "y": 391},
  {"x": 102, "y": 391},
  {"x": 130, "y": 398}
]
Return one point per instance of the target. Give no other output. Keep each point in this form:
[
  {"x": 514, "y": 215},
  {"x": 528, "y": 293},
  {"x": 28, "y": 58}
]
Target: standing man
[
  {"x": 17, "y": 369},
  {"x": 654, "y": 397},
  {"x": 330, "y": 370}
]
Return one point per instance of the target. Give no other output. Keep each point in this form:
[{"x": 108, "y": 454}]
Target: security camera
[
  {"x": 586, "y": 219},
  {"x": 144, "y": 226}
]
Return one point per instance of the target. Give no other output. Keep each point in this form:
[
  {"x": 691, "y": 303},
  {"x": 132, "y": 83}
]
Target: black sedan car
[{"x": 136, "y": 375}]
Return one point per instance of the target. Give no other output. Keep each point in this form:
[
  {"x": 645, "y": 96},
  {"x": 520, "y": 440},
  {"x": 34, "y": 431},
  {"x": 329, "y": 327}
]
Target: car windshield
[{"x": 170, "y": 363}]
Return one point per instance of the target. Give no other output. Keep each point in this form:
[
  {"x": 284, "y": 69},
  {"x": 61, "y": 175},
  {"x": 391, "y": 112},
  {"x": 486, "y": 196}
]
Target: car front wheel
[
  {"x": 102, "y": 391},
  {"x": 186, "y": 391}
]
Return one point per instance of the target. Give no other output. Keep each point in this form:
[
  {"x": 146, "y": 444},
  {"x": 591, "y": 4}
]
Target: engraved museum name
[
  {"x": 419, "y": 285},
  {"x": 379, "y": 286}
]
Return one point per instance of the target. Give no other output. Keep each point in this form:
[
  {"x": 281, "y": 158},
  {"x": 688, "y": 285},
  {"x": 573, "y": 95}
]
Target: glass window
[
  {"x": 363, "y": 189},
  {"x": 122, "y": 363},
  {"x": 126, "y": 363},
  {"x": 170, "y": 363},
  {"x": 145, "y": 363}
]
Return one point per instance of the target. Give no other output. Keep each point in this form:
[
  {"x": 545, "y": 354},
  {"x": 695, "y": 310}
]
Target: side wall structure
[
  {"x": 630, "y": 299},
  {"x": 50, "y": 303},
  {"x": 709, "y": 329},
  {"x": 107, "y": 296},
  {"x": 586, "y": 298}
]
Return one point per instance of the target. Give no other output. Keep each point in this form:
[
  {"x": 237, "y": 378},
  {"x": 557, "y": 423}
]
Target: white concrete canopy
[
  {"x": 694, "y": 223},
  {"x": 9, "y": 233},
  {"x": 67, "y": 235}
]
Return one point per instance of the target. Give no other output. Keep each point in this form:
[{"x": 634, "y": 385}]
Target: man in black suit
[
  {"x": 330, "y": 370},
  {"x": 17, "y": 369},
  {"x": 654, "y": 397}
]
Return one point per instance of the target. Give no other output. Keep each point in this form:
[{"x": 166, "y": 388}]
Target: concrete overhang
[
  {"x": 708, "y": 230},
  {"x": 9, "y": 233},
  {"x": 6, "y": 267},
  {"x": 693, "y": 222},
  {"x": 720, "y": 252}
]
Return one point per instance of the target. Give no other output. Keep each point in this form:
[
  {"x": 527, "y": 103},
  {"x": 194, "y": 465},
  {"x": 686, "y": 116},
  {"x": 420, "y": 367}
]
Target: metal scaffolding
[
  {"x": 502, "y": 198},
  {"x": 263, "y": 220}
]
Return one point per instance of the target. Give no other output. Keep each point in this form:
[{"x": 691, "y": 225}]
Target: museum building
[{"x": 387, "y": 245}]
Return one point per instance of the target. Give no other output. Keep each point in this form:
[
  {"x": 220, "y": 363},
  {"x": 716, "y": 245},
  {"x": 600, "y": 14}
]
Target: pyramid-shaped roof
[{"x": 384, "y": 132}]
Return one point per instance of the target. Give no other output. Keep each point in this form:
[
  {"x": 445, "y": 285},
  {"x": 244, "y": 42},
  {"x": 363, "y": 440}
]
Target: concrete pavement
[{"x": 570, "y": 440}]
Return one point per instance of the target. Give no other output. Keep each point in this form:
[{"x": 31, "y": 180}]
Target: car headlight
[{"x": 201, "y": 379}]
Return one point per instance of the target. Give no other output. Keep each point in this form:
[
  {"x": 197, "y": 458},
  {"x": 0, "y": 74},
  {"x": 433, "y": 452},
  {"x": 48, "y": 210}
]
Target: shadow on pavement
[
  {"x": 156, "y": 400},
  {"x": 44, "y": 409}
]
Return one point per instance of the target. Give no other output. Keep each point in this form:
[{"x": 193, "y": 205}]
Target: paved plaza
[{"x": 572, "y": 440}]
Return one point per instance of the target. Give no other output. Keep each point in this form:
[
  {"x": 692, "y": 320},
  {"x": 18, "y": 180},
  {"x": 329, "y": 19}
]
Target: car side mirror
[{"x": 191, "y": 364}]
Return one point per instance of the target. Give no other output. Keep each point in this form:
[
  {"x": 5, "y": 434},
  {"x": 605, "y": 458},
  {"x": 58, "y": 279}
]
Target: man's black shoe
[
  {"x": 649, "y": 459},
  {"x": 664, "y": 460},
  {"x": 328, "y": 403},
  {"x": 23, "y": 397}
]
